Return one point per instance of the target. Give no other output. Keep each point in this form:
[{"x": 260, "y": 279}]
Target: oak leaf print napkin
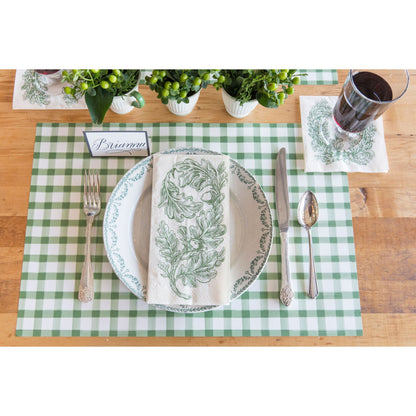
[{"x": 189, "y": 257}]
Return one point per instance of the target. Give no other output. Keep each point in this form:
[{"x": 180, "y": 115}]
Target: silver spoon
[{"x": 308, "y": 212}]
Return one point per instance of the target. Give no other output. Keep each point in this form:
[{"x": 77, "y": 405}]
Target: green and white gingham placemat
[
  {"x": 319, "y": 76},
  {"x": 55, "y": 237},
  {"x": 33, "y": 91}
]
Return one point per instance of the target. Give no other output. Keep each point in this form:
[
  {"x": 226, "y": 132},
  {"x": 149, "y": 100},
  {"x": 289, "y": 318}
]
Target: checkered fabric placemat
[
  {"x": 319, "y": 76},
  {"x": 30, "y": 92},
  {"x": 55, "y": 238}
]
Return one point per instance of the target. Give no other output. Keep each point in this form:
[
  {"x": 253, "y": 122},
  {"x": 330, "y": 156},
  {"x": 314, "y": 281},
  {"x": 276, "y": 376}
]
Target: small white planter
[
  {"x": 122, "y": 103},
  {"x": 183, "y": 109},
  {"x": 234, "y": 108}
]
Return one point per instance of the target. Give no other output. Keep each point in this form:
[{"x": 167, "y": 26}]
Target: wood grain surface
[{"x": 383, "y": 208}]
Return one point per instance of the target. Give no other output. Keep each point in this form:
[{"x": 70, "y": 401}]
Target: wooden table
[{"x": 383, "y": 208}]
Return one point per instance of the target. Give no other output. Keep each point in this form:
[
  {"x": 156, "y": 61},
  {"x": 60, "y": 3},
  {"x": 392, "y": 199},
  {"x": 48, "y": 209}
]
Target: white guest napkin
[
  {"x": 35, "y": 91},
  {"x": 189, "y": 256},
  {"x": 369, "y": 155},
  {"x": 40, "y": 92}
]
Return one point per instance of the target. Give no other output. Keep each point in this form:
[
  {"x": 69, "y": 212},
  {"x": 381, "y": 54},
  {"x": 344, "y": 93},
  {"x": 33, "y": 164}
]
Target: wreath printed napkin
[
  {"x": 320, "y": 155},
  {"x": 189, "y": 260}
]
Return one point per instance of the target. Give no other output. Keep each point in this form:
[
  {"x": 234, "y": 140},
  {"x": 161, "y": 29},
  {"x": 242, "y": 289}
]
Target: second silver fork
[{"x": 92, "y": 207}]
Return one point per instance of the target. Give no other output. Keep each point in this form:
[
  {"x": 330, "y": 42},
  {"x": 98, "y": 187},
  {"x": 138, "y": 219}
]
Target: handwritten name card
[{"x": 117, "y": 143}]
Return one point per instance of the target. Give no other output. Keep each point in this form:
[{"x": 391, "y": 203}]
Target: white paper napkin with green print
[
  {"x": 40, "y": 92},
  {"x": 369, "y": 155},
  {"x": 36, "y": 91},
  {"x": 189, "y": 260}
]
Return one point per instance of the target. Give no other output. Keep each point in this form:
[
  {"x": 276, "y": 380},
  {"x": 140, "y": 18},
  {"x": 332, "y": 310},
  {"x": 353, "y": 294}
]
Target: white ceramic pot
[
  {"x": 234, "y": 108},
  {"x": 122, "y": 103},
  {"x": 183, "y": 109}
]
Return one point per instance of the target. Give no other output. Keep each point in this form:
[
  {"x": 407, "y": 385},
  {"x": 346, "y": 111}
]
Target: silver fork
[{"x": 92, "y": 207}]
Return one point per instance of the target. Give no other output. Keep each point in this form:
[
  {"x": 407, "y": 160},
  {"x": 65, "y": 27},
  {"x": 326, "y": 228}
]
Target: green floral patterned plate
[{"x": 127, "y": 229}]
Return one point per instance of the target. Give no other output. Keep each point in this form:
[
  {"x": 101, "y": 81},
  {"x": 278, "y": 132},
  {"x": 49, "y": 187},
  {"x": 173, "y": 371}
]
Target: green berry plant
[
  {"x": 270, "y": 87},
  {"x": 100, "y": 86},
  {"x": 178, "y": 84}
]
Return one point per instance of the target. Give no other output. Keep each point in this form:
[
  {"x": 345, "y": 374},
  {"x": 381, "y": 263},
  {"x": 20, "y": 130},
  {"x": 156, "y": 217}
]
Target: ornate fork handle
[
  {"x": 86, "y": 287},
  {"x": 92, "y": 207}
]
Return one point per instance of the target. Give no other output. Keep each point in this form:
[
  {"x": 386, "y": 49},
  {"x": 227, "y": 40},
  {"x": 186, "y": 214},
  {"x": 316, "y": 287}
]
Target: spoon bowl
[
  {"x": 308, "y": 210},
  {"x": 308, "y": 213}
]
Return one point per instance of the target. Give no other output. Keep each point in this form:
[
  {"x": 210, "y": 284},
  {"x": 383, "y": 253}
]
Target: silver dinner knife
[{"x": 282, "y": 211}]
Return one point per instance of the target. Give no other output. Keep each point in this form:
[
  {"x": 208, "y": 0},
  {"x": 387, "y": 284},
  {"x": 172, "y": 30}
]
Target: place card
[{"x": 117, "y": 143}]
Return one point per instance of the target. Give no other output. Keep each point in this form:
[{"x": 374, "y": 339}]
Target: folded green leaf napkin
[{"x": 189, "y": 260}]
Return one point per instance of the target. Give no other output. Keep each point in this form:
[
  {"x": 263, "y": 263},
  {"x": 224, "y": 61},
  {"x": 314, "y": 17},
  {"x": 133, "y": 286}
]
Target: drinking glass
[
  {"x": 50, "y": 74},
  {"x": 365, "y": 96}
]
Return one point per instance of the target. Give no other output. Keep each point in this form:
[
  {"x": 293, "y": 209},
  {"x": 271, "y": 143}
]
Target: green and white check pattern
[
  {"x": 319, "y": 76},
  {"x": 55, "y": 239}
]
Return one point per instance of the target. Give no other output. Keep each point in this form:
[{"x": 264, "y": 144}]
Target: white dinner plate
[{"x": 127, "y": 229}]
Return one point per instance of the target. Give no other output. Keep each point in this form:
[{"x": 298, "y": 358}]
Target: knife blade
[{"x": 283, "y": 216}]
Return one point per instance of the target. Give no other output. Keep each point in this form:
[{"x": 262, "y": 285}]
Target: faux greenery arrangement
[
  {"x": 100, "y": 86},
  {"x": 270, "y": 87},
  {"x": 178, "y": 84}
]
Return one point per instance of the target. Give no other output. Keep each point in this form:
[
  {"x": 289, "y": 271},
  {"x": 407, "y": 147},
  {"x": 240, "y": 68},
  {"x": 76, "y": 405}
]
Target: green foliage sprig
[
  {"x": 270, "y": 87},
  {"x": 178, "y": 84},
  {"x": 100, "y": 86}
]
